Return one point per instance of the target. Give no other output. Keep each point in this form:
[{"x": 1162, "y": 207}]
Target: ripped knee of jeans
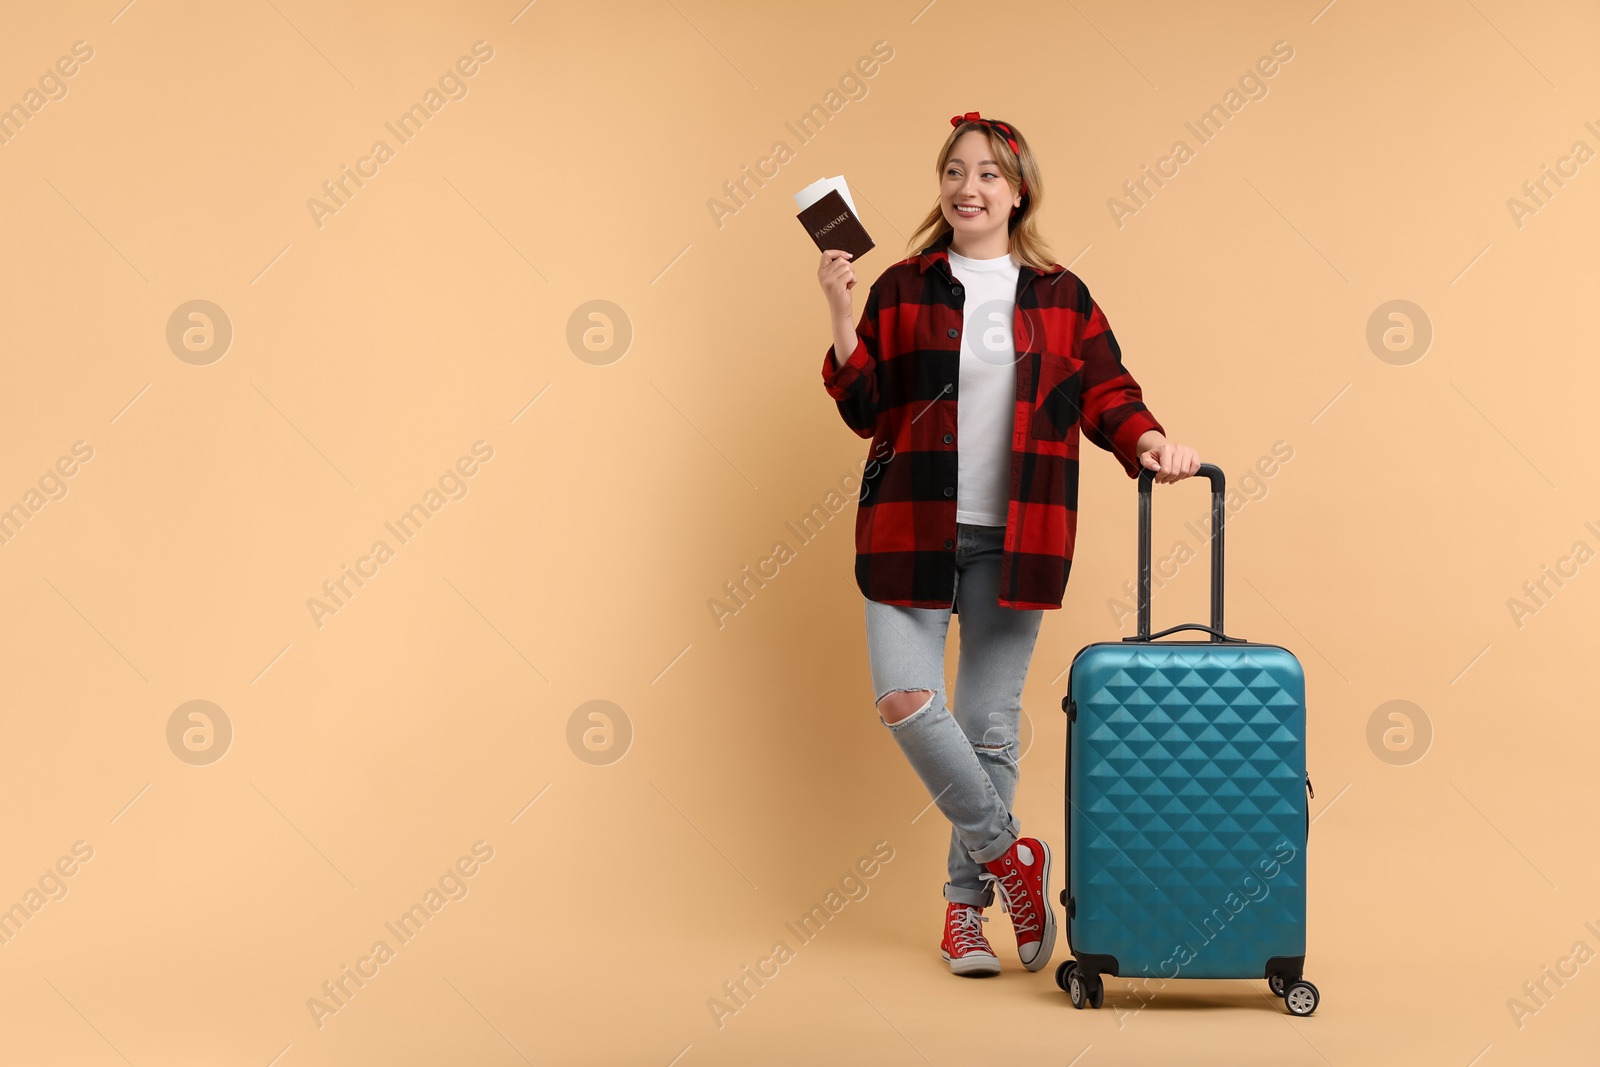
[
  {"x": 898, "y": 705},
  {"x": 1000, "y": 751}
]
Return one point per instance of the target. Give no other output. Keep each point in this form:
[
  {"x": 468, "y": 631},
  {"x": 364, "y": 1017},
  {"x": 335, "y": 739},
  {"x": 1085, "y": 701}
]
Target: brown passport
[{"x": 832, "y": 224}]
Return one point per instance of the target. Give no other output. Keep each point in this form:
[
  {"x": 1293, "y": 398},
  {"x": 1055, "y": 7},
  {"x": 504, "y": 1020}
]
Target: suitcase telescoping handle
[{"x": 1218, "y": 492}]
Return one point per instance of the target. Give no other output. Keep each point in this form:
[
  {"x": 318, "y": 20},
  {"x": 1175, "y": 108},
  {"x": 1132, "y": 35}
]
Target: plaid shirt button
[
  {"x": 952, "y": 331},
  {"x": 949, "y": 437},
  {"x": 948, "y": 491}
]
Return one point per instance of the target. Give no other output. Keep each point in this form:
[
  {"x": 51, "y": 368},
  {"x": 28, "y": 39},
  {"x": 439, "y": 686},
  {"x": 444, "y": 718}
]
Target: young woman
[{"x": 970, "y": 506}]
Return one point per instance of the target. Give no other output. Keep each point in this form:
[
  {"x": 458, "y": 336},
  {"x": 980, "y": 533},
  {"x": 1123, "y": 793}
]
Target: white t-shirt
[{"x": 987, "y": 393}]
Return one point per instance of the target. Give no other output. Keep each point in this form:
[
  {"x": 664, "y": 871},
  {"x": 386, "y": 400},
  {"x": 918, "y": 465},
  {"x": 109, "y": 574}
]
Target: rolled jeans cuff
[
  {"x": 959, "y": 894},
  {"x": 1001, "y": 844}
]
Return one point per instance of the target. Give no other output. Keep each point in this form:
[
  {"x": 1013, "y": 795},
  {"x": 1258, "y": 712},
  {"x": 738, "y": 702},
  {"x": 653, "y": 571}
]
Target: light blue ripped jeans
[{"x": 966, "y": 756}]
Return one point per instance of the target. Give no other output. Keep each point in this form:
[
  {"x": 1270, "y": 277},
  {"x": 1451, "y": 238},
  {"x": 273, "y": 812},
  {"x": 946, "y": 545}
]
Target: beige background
[{"x": 432, "y": 710}]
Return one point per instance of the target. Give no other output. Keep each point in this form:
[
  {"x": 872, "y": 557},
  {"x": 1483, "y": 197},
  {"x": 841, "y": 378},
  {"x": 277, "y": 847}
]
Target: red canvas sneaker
[
  {"x": 964, "y": 947},
  {"x": 1023, "y": 875}
]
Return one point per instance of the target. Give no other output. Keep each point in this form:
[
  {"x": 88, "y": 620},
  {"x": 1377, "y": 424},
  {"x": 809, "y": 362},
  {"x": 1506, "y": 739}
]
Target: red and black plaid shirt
[{"x": 899, "y": 388}]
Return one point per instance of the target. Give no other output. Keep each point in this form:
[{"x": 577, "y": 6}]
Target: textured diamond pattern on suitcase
[{"x": 1187, "y": 826}]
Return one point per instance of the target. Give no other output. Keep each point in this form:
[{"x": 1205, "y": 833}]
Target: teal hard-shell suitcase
[{"x": 1187, "y": 803}]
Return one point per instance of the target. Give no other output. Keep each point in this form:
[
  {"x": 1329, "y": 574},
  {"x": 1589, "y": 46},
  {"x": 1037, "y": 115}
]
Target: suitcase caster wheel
[
  {"x": 1086, "y": 990},
  {"x": 1275, "y": 983},
  {"x": 1301, "y": 997},
  {"x": 1076, "y": 989},
  {"x": 1066, "y": 968}
]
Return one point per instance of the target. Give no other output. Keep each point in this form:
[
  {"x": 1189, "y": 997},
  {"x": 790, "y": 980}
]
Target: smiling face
[{"x": 974, "y": 194}]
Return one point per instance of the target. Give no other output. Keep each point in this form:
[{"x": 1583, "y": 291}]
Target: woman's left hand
[{"x": 1171, "y": 462}]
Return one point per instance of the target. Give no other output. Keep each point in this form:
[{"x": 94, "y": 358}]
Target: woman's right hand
[{"x": 837, "y": 277}]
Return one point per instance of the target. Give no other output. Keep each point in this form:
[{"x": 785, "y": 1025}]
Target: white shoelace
[
  {"x": 1012, "y": 888},
  {"x": 966, "y": 933}
]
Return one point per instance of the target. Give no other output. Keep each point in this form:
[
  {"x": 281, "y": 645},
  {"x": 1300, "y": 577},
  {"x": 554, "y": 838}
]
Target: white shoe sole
[{"x": 972, "y": 964}]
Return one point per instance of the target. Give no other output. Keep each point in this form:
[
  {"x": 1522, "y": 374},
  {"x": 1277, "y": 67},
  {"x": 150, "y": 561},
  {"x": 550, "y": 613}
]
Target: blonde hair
[{"x": 1027, "y": 245}]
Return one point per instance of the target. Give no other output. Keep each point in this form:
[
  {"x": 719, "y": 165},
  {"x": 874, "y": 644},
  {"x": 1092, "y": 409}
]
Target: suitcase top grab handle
[{"x": 1218, "y": 492}]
